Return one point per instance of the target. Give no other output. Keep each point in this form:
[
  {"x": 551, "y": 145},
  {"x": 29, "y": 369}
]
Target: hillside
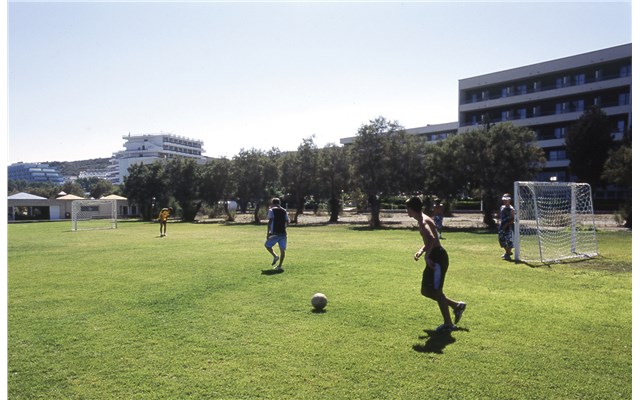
[{"x": 73, "y": 168}]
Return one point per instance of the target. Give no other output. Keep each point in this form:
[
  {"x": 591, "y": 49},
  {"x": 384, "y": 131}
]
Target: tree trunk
[{"x": 334, "y": 209}]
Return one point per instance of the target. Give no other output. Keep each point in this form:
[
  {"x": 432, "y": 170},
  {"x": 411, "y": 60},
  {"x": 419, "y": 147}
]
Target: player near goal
[
  {"x": 163, "y": 217},
  {"x": 505, "y": 231}
]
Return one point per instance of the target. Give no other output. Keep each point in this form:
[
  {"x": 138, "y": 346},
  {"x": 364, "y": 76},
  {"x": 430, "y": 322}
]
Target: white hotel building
[
  {"x": 148, "y": 148},
  {"x": 547, "y": 97}
]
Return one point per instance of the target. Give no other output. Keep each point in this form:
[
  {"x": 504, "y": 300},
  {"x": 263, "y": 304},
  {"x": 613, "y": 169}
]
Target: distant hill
[{"x": 73, "y": 168}]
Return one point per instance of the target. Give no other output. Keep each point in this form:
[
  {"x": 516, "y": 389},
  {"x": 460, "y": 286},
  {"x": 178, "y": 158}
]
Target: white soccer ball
[{"x": 319, "y": 301}]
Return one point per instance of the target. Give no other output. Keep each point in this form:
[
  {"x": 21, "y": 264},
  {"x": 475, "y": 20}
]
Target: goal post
[
  {"x": 94, "y": 214},
  {"x": 554, "y": 221}
]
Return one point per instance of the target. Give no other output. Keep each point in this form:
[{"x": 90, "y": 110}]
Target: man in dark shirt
[{"x": 277, "y": 232}]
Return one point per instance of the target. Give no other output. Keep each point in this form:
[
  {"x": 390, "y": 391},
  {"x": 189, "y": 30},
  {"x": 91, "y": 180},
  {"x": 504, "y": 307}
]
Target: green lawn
[{"x": 125, "y": 314}]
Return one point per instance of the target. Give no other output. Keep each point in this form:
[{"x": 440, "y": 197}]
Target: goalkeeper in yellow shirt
[{"x": 163, "y": 217}]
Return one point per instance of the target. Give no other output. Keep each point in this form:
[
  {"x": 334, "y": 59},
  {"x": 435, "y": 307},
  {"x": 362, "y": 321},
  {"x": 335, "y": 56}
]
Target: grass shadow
[
  {"x": 272, "y": 271},
  {"x": 436, "y": 341}
]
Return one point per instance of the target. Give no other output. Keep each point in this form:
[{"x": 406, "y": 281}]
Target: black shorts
[{"x": 433, "y": 279}]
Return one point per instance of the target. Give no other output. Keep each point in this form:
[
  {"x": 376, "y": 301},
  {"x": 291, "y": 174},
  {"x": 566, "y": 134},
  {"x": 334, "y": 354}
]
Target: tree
[
  {"x": 101, "y": 187},
  {"x": 216, "y": 184},
  {"x": 617, "y": 171},
  {"x": 588, "y": 142},
  {"x": 298, "y": 174},
  {"x": 485, "y": 162},
  {"x": 255, "y": 174},
  {"x": 370, "y": 160},
  {"x": 333, "y": 177},
  {"x": 182, "y": 174},
  {"x": 146, "y": 186}
]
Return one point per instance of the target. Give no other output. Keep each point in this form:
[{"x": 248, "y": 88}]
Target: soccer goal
[
  {"x": 554, "y": 221},
  {"x": 93, "y": 214}
]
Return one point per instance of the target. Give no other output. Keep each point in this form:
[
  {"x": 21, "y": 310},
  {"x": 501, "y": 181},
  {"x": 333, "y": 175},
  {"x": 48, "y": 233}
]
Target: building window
[
  {"x": 557, "y": 155},
  {"x": 563, "y": 82},
  {"x": 579, "y": 79},
  {"x": 598, "y": 75},
  {"x": 537, "y": 86},
  {"x": 623, "y": 99},
  {"x": 536, "y": 111},
  {"x": 522, "y": 89},
  {"x": 522, "y": 113},
  {"x": 559, "y": 133},
  {"x": 625, "y": 71},
  {"x": 578, "y": 105}
]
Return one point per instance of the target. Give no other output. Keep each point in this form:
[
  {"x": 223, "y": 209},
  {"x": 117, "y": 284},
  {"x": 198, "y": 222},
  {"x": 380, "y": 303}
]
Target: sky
[{"x": 243, "y": 75}]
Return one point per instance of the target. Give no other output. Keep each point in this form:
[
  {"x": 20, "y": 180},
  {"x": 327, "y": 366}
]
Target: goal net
[
  {"x": 93, "y": 214},
  {"x": 553, "y": 221}
]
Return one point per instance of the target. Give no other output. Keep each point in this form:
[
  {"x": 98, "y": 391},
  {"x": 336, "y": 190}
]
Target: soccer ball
[{"x": 319, "y": 301}]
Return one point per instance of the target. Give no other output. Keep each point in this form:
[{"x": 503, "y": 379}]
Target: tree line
[{"x": 383, "y": 161}]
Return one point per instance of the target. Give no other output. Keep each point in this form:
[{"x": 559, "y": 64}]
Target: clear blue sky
[{"x": 255, "y": 75}]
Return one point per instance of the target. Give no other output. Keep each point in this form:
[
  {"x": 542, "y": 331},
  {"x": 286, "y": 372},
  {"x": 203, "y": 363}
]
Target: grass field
[{"x": 125, "y": 314}]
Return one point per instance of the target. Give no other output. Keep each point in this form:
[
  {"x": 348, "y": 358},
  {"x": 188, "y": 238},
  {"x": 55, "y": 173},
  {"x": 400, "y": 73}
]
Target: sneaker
[
  {"x": 278, "y": 268},
  {"x": 275, "y": 260},
  {"x": 457, "y": 312},
  {"x": 445, "y": 328}
]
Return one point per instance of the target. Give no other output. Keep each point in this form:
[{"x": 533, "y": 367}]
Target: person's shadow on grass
[
  {"x": 436, "y": 341},
  {"x": 272, "y": 271}
]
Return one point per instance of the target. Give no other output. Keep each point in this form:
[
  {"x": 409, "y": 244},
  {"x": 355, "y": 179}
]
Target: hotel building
[
  {"x": 149, "y": 148},
  {"x": 548, "y": 98}
]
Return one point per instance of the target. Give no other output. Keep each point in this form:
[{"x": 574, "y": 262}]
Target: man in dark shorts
[
  {"x": 277, "y": 232},
  {"x": 437, "y": 263}
]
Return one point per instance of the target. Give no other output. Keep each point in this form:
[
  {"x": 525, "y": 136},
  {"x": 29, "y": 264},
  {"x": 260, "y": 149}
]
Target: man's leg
[{"x": 282, "y": 254}]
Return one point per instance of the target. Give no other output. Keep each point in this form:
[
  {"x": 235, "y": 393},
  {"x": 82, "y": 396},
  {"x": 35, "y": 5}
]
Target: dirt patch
[{"x": 401, "y": 219}]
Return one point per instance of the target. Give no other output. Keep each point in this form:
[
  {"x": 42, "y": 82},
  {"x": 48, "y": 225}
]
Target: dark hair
[
  {"x": 415, "y": 204},
  {"x": 275, "y": 200}
]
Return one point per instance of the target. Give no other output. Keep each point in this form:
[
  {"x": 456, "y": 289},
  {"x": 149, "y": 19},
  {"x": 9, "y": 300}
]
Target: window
[
  {"x": 625, "y": 71},
  {"x": 577, "y": 105},
  {"x": 522, "y": 89},
  {"x": 537, "y": 86},
  {"x": 559, "y": 133},
  {"x": 579, "y": 79},
  {"x": 563, "y": 82},
  {"x": 522, "y": 113},
  {"x": 598, "y": 75},
  {"x": 557, "y": 155},
  {"x": 623, "y": 99}
]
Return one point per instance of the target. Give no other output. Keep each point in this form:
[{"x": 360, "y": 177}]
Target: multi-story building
[
  {"x": 430, "y": 133},
  {"x": 148, "y": 148},
  {"x": 35, "y": 172},
  {"x": 547, "y": 97}
]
